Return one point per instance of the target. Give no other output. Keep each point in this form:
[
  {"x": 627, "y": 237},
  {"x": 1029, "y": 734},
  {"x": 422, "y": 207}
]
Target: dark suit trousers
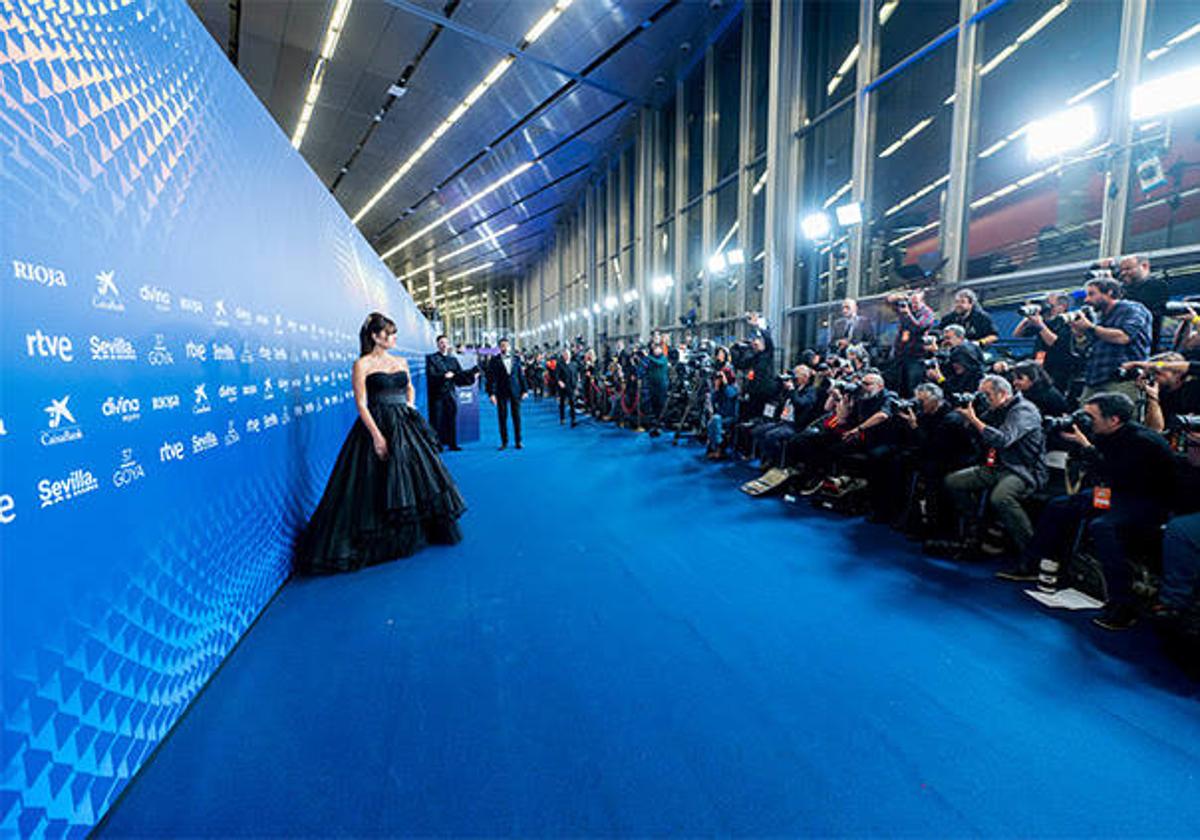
[
  {"x": 566, "y": 400},
  {"x": 443, "y": 416},
  {"x": 502, "y": 406}
]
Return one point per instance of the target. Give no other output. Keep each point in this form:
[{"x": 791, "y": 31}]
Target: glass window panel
[
  {"x": 761, "y": 72},
  {"x": 755, "y": 256},
  {"x": 1038, "y": 59},
  {"x": 908, "y": 25},
  {"x": 724, "y": 279},
  {"x": 728, "y": 73},
  {"x": 831, "y": 30},
  {"x": 662, "y": 297},
  {"x": 694, "y": 126},
  {"x": 827, "y": 151},
  {"x": 912, "y": 156},
  {"x": 665, "y": 178},
  {"x": 1164, "y": 192},
  {"x": 694, "y": 266}
]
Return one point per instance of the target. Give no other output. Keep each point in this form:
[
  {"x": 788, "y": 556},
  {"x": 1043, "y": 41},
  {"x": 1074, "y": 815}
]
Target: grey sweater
[{"x": 1015, "y": 431}]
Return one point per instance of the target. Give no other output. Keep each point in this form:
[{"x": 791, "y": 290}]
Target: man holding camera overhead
[
  {"x": 1121, "y": 335},
  {"x": 914, "y": 320},
  {"x": 1053, "y": 342}
]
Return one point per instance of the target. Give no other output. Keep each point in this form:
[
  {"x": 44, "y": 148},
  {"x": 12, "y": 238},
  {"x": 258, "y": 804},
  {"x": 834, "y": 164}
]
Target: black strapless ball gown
[{"x": 377, "y": 510}]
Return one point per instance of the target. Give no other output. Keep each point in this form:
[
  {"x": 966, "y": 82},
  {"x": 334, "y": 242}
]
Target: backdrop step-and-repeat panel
[{"x": 180, "y": 305}]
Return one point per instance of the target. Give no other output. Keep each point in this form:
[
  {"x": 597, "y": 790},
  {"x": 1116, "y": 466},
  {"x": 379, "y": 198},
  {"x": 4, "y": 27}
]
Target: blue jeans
[
  {"x": 1181, "y": 561},
  {"x": 716, "y": 431}
]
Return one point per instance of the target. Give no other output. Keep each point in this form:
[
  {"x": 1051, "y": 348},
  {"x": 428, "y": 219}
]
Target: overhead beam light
[
  {"x": 816, "y": 227},
  {"x": 333, "y": 31},
  {"x": 1060, "y": 133},
  {"x": 482, "y": 241},
  {"x": 481, "y": 267},
  {"x": 849, "y": 215},
  {"x": 461, "y": 108},
  {"x": 1173, "y": 92},
  {"x": 470, "y": 202},
  {"x": 908, "y": 135},
  {"x": 417, "y": 271}
]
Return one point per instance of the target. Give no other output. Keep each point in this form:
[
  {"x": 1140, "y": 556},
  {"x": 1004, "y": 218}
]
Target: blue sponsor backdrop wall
[{"x": 181, "y": 298}]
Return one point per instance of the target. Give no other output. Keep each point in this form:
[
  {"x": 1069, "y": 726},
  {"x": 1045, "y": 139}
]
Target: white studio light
[
  {"x": 816, "y": 226},
  {"x": 716, "y": 263},
  {"x": 1173, "y": 92},
  {"x": 849, "y": 215},
  {"x": 1057, "y": 134},
  {"x": 596, "y": 308},
  {"x": 735, "y": 256},
  {"x": 610, "y": 303},
  {"x": 662, "y": 284}
]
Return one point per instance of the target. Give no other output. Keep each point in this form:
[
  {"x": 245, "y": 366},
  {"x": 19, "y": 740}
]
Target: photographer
[
  {"x": 1141, "y": 285},
  {"x": 802, "y": 401},
  {"x": 859, "y": 422},
  {"x": 1032, "y": 380},
  {"x": 1053, "y": 343},
  {"x": 850, "y": 328},
  {"x": 762, "y": 386},
  {"x": 968, "y": 314},
  {"x": 724, "y": 399},
  {"x": 914, "y": 319},
  {"x": 1172, "y": 387},
  {"x": 1013, "y": 467},
  {"x": 566, "y": 377},
  {"x": 655, "y": 379},
  {"x": 1122, "y": 335},
  {"x": 1130, "y": 470},
  {"x": 1181, "y": 540},
  {"x": 1187, "y": 334},
  {"x": 964, "y": 360},
  {"x": 934, "y": 441}
]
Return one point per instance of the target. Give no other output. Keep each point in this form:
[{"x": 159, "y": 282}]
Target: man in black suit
[
  {"x": 849, "y": 329},
  {"x": 506, "y": 388},
  {"x": 443, "y": 375},
  {"x": 566, "y": 374}
]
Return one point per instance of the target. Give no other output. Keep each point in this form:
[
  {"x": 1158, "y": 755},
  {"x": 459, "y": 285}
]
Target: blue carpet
[{"x": 625, "y": 645}]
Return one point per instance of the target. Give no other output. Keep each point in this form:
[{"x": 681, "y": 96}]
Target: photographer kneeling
[
  {"x": 802, "y": 400},
  {"x": 1172, "y": 390},
  {"x": 1130, "y": 470},
  {"x": 724, "y": 397},
  {"x": 1013, "y": 469},
  {"x": 964, "y": 360}
]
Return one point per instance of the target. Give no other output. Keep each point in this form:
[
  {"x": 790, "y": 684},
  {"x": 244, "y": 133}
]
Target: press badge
[{"x": 1101, "y": 498}]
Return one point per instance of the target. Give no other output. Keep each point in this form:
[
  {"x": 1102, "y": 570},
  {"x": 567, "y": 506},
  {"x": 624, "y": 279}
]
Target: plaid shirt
[{"x": 1131, "y": 318}]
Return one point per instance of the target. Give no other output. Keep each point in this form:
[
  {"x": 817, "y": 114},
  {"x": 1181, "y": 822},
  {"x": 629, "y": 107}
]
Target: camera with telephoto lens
[
  {"x": 1130, "y": 374},
  {"x": 912, "y": 404},
  {"x": 1064, "y": 423},
  {"x": 976, "y": 400},
  {"x": 1183, "y": 307},
  {"x": 1085, "y": 311},
  {"x": 845, "y": 387},
  {"x": 1033, "y": 308},
  {"x": 1184, "y": 423}
]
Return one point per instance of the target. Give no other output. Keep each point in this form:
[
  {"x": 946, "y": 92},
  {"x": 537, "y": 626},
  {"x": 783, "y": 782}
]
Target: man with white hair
[{"x": 1011, "y": 434}]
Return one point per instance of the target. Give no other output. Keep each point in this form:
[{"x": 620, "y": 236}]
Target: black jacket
[
  {"x": 978, "y": 324},
  {"x": 568, "y": 374},
  {"x": 1133, "y": 462},
  {"x": 500, "y": 383},
  {"x": 760, "y": 371},
  {"x": 437, "y": 384}
]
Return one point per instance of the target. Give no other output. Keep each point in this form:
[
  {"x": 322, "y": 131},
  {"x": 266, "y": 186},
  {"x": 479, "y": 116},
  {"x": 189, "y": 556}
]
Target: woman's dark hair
[
  {"x": 376, "y": 323},
  {"x": 721, "y": 351},
  {"x": 1032, "y": 371}
]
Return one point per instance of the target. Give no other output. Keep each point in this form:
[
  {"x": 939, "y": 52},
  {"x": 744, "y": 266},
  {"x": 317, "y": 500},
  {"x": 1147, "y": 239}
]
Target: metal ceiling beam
[{"x": 497, "y": 44}]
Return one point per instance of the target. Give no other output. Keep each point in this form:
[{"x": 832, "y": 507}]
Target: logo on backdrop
[
  {"x": 128, "y": 409},
  {"x": 270, "y": 421},
  {"x": 61, "y": 426},
  {"x": 197, "y": 350},
  {"x": 171, "y": 451},
  {"x": 227, "y": 392},
  {"x": 201, "y": 405},
  {"x": 223, "y": 352},
  {"x": 7, "y": 506},
  {"x": 159, "y": 354},
  {"x": 107, "y": 295},
  {"x": 231, "y": 435},
  {"x": 247, "y": 356},
  {"x": 3, "y": 431},
  {"x": 191, "y": 305},
  {"x": 164, "y": 402},
  {"x": 115, "y": 349},
  {"x": 128, "y": 471},
  {"x": 203, "y": 443},
  {"x": 220, "y": 314},
  {"x": 40, "y": 345},
  {"x": 40, "y": 274},
  {"x": 160, "y": 299},
  {"x": 77, "y": 483},
  {"x": 253, "y": 425},
  {"x": 268, "y": 390}
]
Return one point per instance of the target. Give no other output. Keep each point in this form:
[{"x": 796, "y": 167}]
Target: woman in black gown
[{"x": 389, "y": 493}]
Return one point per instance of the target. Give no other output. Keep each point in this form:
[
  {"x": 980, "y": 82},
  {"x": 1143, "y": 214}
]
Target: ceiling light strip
[
  {"x": 493, "y": 76},
  {"x": 491, "y": 237},
  {"x": 333, "y": 31}
]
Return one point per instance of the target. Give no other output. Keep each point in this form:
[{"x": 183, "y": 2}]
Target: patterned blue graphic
[{"x": 180, "y": 299}]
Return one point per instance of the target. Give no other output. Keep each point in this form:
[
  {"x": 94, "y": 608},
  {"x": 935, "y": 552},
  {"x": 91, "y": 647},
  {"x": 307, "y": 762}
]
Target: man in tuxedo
[
  {"x": 506, "y": 388},
  {"x": 850, "y": 329},
  {"x": 566, "y": 374},
  {"x": 443, "y": 375}
]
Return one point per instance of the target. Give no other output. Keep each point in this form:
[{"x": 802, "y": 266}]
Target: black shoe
[
  {"x": 573, "y": 424},
  {"x": 503, "y": 446},
  {"x": 1019, "y": 573},
  {"x": 951, "y": 549},
  {"x": 1116, "y": 617},
  {"x": 655, "y": 433},
  {"x": 456, "y": 449},
  {"x": 519, "y": 446}
]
